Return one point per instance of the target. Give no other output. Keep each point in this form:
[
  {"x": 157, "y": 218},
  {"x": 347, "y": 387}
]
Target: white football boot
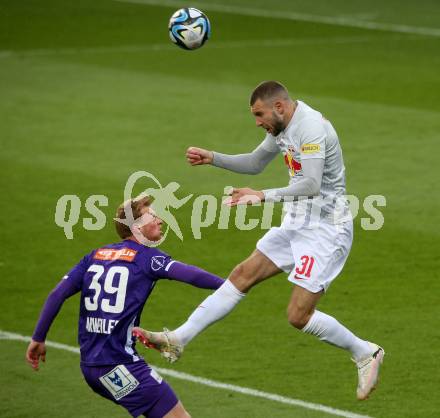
[
  {"x": 368, "y": 371},
  {"x": 164, "y": 342}
]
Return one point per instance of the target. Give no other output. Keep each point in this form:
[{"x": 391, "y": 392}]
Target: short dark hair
[
  {"x": 268, "y": 90},
  {"x": 136, "y": 204}
]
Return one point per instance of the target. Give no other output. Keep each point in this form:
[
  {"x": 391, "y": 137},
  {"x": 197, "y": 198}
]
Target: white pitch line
[
  {"x": 4, "y": 335},
  {"x": 284, "y": 14}
]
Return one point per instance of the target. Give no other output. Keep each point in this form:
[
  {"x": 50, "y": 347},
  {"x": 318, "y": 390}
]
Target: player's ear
[{"x": 278, "y": 106}]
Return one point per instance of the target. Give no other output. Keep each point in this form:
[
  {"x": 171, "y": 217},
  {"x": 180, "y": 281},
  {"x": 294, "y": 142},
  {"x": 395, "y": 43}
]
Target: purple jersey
[{"x": 115, "y": 282}]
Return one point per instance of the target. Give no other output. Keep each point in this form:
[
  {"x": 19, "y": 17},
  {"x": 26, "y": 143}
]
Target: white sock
[
  {"x": 328, "y": 329},
  {"x": 212, "y": 309}
]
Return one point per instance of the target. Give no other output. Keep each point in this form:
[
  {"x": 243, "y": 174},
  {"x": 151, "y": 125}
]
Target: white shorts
[{"x": 313, "y": 257}]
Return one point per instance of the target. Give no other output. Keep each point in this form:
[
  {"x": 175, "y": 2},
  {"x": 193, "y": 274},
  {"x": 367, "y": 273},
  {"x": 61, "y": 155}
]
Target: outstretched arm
[
  {"x": 37, "y": 348},
  {"x": 250, "y": 163},
  {"x": 193, "y": 275},
  {"x": 308, "y": 185}
]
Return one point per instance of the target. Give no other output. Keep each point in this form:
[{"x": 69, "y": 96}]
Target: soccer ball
[{"x": 189, "y": 28}]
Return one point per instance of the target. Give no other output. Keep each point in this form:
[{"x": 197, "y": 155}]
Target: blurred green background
[{"x": 91, "y": 92}]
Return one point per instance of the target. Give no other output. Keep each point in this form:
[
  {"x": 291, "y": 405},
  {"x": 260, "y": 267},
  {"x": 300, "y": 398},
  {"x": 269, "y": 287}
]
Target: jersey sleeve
[
  {"x": 194, "y": 275},
  {"x": 159, "y": 264},
  {"x": 68, "y": 286},
  {"x": 269, "y": 144},
  {"x": 74, "y": 278},
  {"x": 312, "y": 138},
  {"x": 251, "y": 163}
]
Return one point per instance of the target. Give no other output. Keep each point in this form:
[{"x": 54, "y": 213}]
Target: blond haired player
[
  {"x": 313, "y": 241},
  {"x": 115, "y": 282}
]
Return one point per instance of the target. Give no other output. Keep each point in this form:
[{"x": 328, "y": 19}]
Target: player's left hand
[
  {"x": 244, "y": 196},
  {"x": 34, "y": 353}
]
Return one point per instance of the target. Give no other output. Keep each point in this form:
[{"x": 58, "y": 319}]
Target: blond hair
[{"x": 136, "y": 205}]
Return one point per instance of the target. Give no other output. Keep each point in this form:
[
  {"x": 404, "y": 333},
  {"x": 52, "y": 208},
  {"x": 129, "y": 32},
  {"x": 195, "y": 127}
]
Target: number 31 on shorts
[{"x": 305, "y": 269}]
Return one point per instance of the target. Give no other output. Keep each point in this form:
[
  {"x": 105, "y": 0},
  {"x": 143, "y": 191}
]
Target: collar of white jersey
[{"x": 293, "y": 120}]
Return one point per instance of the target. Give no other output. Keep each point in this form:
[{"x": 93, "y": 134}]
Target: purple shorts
[{"x": 135, "y": 386}]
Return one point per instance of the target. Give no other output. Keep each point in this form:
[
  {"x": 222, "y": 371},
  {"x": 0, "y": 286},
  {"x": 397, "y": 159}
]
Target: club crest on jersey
[
  {"x": 119, "y": 382},
  {"x": 157, "y": 262}
]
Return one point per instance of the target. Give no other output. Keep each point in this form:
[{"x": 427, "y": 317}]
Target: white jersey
[{"x": 309, "y": 135}]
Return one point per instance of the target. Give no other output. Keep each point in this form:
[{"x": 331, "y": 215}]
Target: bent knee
[
  {"x": 242, "y": 277},
  {"x": 184, "y": 414},
  {"x": 298, "y": 319},
  {"x": 177, "y": 412}
]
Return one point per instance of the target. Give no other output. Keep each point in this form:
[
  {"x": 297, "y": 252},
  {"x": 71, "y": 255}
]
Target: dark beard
[{"x": 278, "y": 124}]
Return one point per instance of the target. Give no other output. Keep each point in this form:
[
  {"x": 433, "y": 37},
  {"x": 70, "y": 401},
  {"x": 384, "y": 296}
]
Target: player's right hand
[
  {"x": 199, "y": 156},
  {"x": 34, "y": 353}
]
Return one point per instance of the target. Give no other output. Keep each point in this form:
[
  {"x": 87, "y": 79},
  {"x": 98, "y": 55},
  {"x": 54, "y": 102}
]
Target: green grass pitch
[{"x": 91, "y": 91}]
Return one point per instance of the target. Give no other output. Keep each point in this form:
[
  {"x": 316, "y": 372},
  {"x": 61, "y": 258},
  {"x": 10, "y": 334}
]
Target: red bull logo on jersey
[
  {"x": 293, "y": 165},
  {"x": 108, "y": 254}
]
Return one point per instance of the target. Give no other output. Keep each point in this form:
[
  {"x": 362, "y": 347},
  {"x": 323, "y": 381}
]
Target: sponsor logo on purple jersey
[{"x": 115, "y": 282}]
